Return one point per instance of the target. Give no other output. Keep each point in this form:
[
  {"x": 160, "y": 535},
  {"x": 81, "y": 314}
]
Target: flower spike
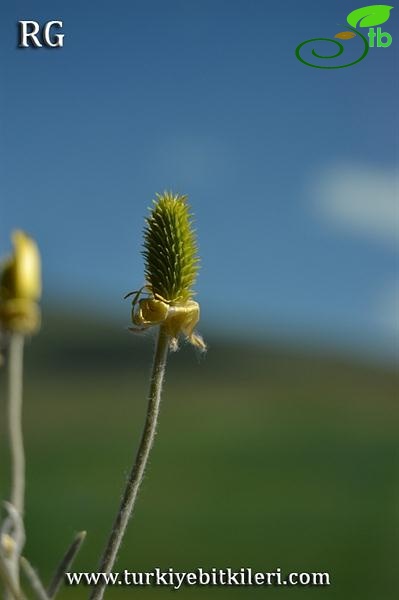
[{"x": 171, "y": 268}]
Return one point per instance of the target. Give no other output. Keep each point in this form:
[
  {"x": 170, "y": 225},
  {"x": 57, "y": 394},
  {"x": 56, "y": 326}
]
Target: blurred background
[{"x": 279, "y": 448}]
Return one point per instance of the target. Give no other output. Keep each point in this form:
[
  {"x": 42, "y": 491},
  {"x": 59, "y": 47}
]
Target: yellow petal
[
  {"x": 27, "y": 267},
  {"x": 150, "y": 312},
  {"x": 182, "y": 319}
]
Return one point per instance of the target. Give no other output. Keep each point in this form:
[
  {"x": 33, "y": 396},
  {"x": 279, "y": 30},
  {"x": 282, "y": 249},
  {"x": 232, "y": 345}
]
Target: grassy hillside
[{"x": 265, "y": 458}]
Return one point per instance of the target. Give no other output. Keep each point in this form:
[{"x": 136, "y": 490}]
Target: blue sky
[{"x": 290, "y": 170}]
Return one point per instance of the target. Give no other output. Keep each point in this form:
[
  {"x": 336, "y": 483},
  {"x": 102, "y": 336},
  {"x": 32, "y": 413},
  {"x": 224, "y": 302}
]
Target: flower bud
[{"x": 20, "y": 286}]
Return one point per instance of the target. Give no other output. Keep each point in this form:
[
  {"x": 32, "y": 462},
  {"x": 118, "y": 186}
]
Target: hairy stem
[
  {"x": 10, "y": 587},
  {"x": 15, "y": 422},
  {"x": 34, "y": 579},
  {"x": 17, "y": 494},
  {"x": 136, "y": 474}
]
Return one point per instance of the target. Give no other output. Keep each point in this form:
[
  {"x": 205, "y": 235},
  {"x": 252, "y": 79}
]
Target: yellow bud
[
  {"x": 20, "y": 286},
  {"x": 21, "y": 274}
]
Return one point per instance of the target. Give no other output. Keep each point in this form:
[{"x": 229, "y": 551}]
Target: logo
[
  {"x": 31, "y": 34},
  {"x": 368, "y": 17}
]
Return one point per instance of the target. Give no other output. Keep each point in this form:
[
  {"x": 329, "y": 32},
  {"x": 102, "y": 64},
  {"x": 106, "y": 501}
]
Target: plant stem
[
  {"x": 15, "y": 422},
  {"x": 136, "y": 474},
  {"x": 17, "y": 495},
  {"x": 65, "y": 564},
  {"x": 34, "y": 579},
  {"x": 11, "y": 589}
]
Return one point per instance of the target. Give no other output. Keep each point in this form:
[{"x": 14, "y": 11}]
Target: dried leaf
[{"x": 345, "y": 35}]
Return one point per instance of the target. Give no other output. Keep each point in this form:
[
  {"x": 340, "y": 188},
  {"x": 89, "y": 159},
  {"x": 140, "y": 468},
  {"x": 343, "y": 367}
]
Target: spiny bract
[{"x": 170, "y": 249}]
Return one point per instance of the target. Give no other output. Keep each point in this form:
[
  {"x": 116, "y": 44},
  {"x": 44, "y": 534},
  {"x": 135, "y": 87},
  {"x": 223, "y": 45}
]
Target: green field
[{"x": 265, "y": 457}]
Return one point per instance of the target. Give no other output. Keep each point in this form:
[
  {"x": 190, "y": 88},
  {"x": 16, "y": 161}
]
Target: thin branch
[
  {"x": 34, "y": 579},
  {"x": 17, "y": 454},
  {"x": 137, "y": 472},
  {"x": 14, "y": 523},
  {"x": 9, "y": 583},
  {"x": 64, "y": 565}
]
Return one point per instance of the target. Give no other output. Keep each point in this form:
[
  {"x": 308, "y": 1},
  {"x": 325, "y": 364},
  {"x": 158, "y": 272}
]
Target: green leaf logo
[{"x": 368, "y": 16}]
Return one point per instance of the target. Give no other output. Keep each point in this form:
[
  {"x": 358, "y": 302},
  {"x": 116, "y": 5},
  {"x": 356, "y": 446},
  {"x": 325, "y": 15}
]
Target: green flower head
[
  {"x": 171, "y": 268},
  {"x": 170, "y": 249}
]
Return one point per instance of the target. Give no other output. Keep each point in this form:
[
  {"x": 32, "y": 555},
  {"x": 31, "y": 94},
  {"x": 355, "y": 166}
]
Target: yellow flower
[
  {"x": 175, "y": 318},
  {"x": 20, "y": 286}
]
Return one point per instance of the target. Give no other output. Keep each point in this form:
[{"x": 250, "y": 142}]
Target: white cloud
[
  {"x": 363, "y": 201},
  {"x": 359, "y": 199}
]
